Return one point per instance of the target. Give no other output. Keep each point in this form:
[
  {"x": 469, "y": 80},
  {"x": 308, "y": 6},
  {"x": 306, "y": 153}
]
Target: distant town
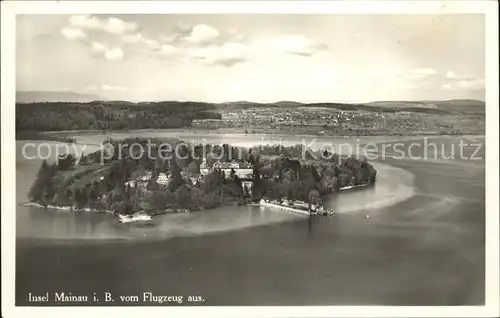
[{"x": 331, "y": 121}]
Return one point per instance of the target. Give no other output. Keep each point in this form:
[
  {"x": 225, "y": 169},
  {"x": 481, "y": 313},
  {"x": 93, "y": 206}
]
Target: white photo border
[{"x": 9, "y": 10}]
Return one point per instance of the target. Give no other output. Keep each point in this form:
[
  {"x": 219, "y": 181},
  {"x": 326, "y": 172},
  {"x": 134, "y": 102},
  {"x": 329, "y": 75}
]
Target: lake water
[
  {"x": 416, "y": 238},
  {"x": 394, "y": 185},
  {"x": 236, "y": 138}
]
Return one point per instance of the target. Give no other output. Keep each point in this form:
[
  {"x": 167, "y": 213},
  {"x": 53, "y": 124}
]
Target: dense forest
[
  {"x": 98, "y": 115},
  {"x": 278, "y": 173}
]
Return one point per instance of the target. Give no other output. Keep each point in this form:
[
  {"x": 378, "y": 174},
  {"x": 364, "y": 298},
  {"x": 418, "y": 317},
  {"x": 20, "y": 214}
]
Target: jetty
[
  {"x": 284, "y": 207},
  {"x": 302, "y": 208}
]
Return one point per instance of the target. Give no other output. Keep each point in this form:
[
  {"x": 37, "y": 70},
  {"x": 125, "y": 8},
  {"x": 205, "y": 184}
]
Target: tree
[
  {"x": 152, "y": 185},
  {"x": 193, "y": 167},
  {"x": 43, "y": 189},
  {"x": 335, "y": 184},
  {"x": 353, "y": 181},
  {"x": 314, "y": 198},
  {"x": 160, "y": 200},
  {"x": 183, "y": 157},
  {"x": 176, "y": 181},
  {"x": 183, "y": 196},
  {"x": 234, "y": 188},
  {"x": 226, "y": 152},
  {"x": 212, "y": 199},
  {"x": 66, "y": 162},
  {"x": 288, "y": 175},
  {"x": 315, "y": 174},
  {"x": 213, "y": 180},
  {"x": 293, "y": 190},
  {"x": 197, "y": 197}
]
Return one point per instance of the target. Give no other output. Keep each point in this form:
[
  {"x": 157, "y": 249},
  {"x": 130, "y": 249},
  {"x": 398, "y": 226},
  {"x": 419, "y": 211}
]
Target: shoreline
[
  {"x": 175, "y": 211},
  {"x": 224, "y": 131},
  {"x": 65, "y": 208},
  {"x": 89, "y": 210}
]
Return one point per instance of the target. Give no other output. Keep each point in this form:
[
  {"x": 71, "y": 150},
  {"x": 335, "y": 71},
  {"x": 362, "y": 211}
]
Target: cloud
[
  {"x": 117, "y": 26},
  {"x": 422, "y": 72},
  {"x": 79, "y": 25},
  {"x": 235, "y": 36},
  {"x": 457, "y": 82},
  {"x": 298, "y": 45},
  {"x": 464, "y": 85},
  {"x": 105, "y": 88},
  {"x": 454, "y": 76},
  {"x": 431, "y": 79},
  {"x": 176, "y": 37},
  {"x": 73, "y": 33},
  {"x": 212, "y": 47},
  {"x": 168, "y": 50},
  {"x": 85, "y": 22},
  {"x": 152, "y": 44},
  {"x": 111, "y": 25},
  {"x": 102, "y": 50},
  {"x": 201, "y": 42},
  {"x": 202, "y": 34},
  {"x": 114, "y": 54},
  {"x": 227, "y": 54},
  {"x": 133, "y": 38},
  {"x": 109, "y": 88},
  {"x": 450, "y": 75},
  {"x": 98, "y": 47},
  {"x": 139, "y": 38}
]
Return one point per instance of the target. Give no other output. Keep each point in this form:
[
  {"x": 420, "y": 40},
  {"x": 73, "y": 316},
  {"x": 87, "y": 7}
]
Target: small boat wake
[{"x": 394, "y": 185}]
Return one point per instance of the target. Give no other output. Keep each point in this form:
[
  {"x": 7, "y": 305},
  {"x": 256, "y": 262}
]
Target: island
[{"x": 124, "y": 179}]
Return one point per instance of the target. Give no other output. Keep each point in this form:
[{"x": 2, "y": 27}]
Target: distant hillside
[
  {"x": 454, "y": 105},
  {"x": 286, "y": 103},
  {"x": 462, "y": 105},
  {"x": 110, "y": 115},
  {"x": 386, "y": 107},
  {"x": 62, "y": 96},
  {"x": 401, "y": 104},
  {"x": 114, "y": 115}
]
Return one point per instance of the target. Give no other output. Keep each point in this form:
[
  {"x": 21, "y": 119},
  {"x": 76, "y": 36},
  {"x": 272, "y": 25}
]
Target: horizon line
[{"x": 106, "y": 99}]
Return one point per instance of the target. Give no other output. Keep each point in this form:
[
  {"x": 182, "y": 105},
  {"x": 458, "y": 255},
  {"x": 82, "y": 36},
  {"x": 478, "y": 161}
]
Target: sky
[{"x": 261, "y": 58}]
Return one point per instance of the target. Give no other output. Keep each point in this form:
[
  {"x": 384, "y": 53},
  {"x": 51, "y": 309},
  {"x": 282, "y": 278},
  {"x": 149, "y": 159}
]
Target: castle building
[{"x": 243, "y": 170}]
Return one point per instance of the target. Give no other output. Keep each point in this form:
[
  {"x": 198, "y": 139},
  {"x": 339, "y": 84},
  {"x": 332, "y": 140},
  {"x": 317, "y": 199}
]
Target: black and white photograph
[{"x": 189, "y": 157}]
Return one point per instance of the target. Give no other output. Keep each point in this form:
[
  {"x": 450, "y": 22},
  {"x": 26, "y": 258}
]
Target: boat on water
[
  {"x": 136, "y": 217},
  {"x": 354, "y": 187},
  {"x": 322, "y": 211}
]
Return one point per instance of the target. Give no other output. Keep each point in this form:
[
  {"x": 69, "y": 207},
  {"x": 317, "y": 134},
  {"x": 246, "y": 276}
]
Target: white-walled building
[
  {"x": 204, "y": 169},
  {"x": 163, "y": 179},
  {"x": 243, "y": 170}
]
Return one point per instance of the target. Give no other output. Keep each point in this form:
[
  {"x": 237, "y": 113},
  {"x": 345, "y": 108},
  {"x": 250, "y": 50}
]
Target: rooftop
[{"x": 232, "y": 165}]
